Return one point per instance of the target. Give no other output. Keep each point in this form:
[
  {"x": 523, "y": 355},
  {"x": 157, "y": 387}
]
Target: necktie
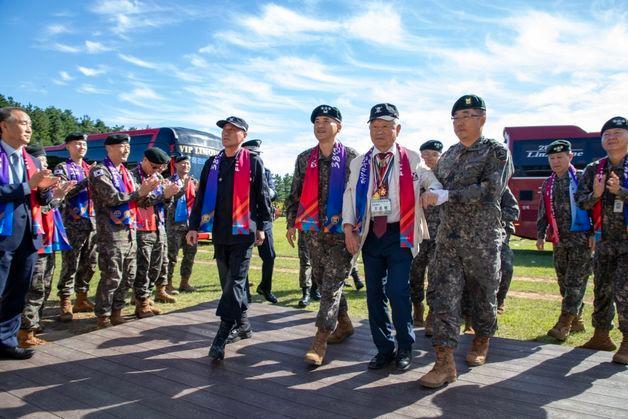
[
  {"x": 379, "y": 222},
  {"x": 18, "y": 168}
]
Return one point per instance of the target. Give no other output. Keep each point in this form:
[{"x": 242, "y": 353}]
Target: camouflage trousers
[
  {"x": 117, "y": 256},
  {"x": 305, "y": 267},
  {"x": 419, "y": 268},
  {"x": 573, "y": 265},
  {"x": 331, "y": 263},
  {"x": 41, "y": 284},
  {"x": 610, "y": 267},
  {"x": 457, "y": 265},
  {"x": 176, "y": 241},
  {"x": 151, "y": 250},
  {"x": 507, "y": 268},
  {"x": 78, "y": 264}
]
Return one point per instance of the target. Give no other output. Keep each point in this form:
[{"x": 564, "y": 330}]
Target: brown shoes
[
  {"x": 27, "y": 339},
  {"x": 116, "y": 317},
  {"x": 82, "y": 303},
  {"x": 161, "y": 296},
  {"x": 143, "y": 308},
  {"x": 316, "y": 353},
  {"x": 601, "y": 341},
  {"x": 478, "y": 351},
  {"x": 65, "y": 305},
  {"x": 444, "y": 370},
  {"x": 185, "y": 286},
  {"x": 621, "y": 356},
  {"x": 343, "y": 330},
  {"x": 561, "y": 329}
]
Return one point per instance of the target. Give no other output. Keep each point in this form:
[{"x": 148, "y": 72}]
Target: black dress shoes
[
  {"x": 239, "y": 333},
  {"x": 16, "y": 353},
  {"x": 268, "y": 296},
  {"x": 380, "y": 361},
  {"x": 403, "y": 360}
]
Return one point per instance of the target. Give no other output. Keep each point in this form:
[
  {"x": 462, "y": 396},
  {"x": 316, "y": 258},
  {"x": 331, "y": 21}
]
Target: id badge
[
  {"x": 381, "y": 207},
  {"x": 618, "y": 206}
]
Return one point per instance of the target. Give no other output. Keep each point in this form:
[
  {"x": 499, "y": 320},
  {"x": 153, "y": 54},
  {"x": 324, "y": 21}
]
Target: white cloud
[
  {"x": 277, "y": 21},
  {"x": 94, "y": 47},
  {"x": 65, "y": 76},
  {"x": 90, "y": 89},
  {"x": 92, "y": 72},
  {"x": 137, "y": 61},
  {"x": 141, "y": 96},
  {"x": 64, "y": 48},
  {"x": 56, "y": 29}
]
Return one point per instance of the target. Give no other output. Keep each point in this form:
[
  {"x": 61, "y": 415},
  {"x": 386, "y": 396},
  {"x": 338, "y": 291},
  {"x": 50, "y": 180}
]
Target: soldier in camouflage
[
  {"x": 510, "y": 214},
  {"x": 604, "y": 191},
  {"x": 305, "y": 272},
  {"x": 569, "y": 229},
  {"x": 475, "y": 172},
  {"x": 116, "y": 197},
  {"x": 331, "y": 262}
]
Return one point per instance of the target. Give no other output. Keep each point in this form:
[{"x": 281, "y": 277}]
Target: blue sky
[{"x": 190, "y": 63}]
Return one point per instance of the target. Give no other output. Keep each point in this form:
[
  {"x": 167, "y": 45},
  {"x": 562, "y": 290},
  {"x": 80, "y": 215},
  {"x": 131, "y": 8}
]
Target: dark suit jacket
[{"x": 22, "y": 218}]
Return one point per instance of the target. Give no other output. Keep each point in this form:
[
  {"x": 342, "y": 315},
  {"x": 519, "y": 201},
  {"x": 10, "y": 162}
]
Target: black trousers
[
  {"x": 233, "y": 262},
  {"x": 267, "y": 254}
]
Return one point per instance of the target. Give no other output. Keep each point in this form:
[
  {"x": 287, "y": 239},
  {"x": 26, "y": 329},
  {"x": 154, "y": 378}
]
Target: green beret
[
  {"x": 468, "y": 102},
  {"x": 181, "y": 157},
  {"x": 558, "y": 146},
  {"x": 156, "y": 155},
  {"x": 36, "y": 150},
  {"x": 615, "y": 122},
  {"x": 326, "y": 110},
  {"x": 253, "y": 145},
  {"x": 75, "y": 136},
  {"x": 117, "y": 139},
  {"x": 432, "y": 145}
]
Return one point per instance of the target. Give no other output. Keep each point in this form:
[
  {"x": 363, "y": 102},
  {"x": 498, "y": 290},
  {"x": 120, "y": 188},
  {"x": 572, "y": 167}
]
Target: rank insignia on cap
[
  {"x": 378, "y": 109},
  {"x": 467, "y": 101},
  {"x": 325, "y": 109}
]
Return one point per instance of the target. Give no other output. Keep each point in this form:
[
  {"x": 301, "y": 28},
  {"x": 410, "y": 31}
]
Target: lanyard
[{"x": 380, "y": 182}]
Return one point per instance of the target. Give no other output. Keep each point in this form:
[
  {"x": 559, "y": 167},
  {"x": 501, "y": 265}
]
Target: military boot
[
  {"x": 242, "y": 330},
  {"x": 315, "y": 293},
  {"x": 561, "y": 329},
  {"x": 359, "y": 284},
  {"x": 161, "y": 296},
  {"x": 66, "y": 309},
  {"x": 217, "y": 350},
  {"x": 170, "y": 289},
  {"x": 116, "y": 317},
  {"x": 185, "y": 286},
  {"x": 82, "y": 303},
  {"x": 468, "y": 326},
  {"x": 577, "y": 325},
  {"x": 601, "y": 341},
  {"x": 621, "y": 356},
  {"x": 417, "y": 314},
  {"x": 305, "y": 300},
  {"x": 478, "y": 351},
  {"x": 103, "y": 321},
  {"x": 444, "y": 370},
  {"x": 316, "y": 353},
  {"x": 143, "y": 308},
  {"x": 429, "y": 324},
  {"x": 343, "y": 330},
  {"x": 156, "y": 310},
  {"x": 27, "y": 339}
]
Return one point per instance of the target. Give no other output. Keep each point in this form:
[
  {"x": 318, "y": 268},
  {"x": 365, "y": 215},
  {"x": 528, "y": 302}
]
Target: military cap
[
  {"x": 558, "y": 146},
  {"x": 386, "y": 111},
  {"x": 326, "y": 110},
  {"x": 180, "y": 157},
  {"x": 615, "y": 122},
  {"x": 234, "y": 120},
  {"x": 75, "y": 136},
  {"x": 432, "y": 145},
  {"x": 117, "y": 139},
  {"x": 156, "y": 155},
  {"x": 253, "y": 145},
  {"x": 35, "y": 150},
  {"x": 468, "y": 102}
]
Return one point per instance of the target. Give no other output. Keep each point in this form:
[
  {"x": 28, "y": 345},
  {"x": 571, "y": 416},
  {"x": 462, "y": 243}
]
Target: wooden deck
[{"x": 158, "y": 367}]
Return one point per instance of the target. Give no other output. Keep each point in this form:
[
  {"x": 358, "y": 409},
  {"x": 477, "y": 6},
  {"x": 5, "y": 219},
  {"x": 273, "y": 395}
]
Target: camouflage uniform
[
  {"x": 331, "y": 262},
  {"x": 572, "y": 255},
  {"x": 39, "y": 291},
  {"x": 469, "y": 237},
  {"x": 510, "y": 214},
  {"x": 78, "y": 265},
  {"x": 176, "y": 239},
  {"x": 305, "y": 267},
  {"x": 423, "y": 258},
  {"x": 117, "y": 246},
  {"x": 610, "y": 261}
]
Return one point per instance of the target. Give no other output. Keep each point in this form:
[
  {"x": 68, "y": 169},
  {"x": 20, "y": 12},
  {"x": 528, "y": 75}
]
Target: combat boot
[
  {"x": 66, "y": 309},
  {"x": 82, "y": 303},
  {"x": 156, "y": 310},
  {"x": 468, "y": 326},
  {"x": 242, "y": 330},
  {"x": 161, "y": 296},
  {"x": 359, "y": 284},
  {"x": 315, "y": 293},
  {"x": 143, "y": 308},
  {"x": 27, "y": 339},
  {"x": 417, "y": 314},
  {"x": 305, "y": 300},
  {"x": 561, "y": 329},
  {"x": 577, "y": 325},
  {"x": 429, "y": 324},
  {"x": 444, "y": 370},
  {"x": 621, "y": 356},
  {"x": 601, "y": 341},
  {"x": 185, "y": 286},
  {"x": 343, "y": 330},
  {"x": 170, "y": 289},
  {"x": 102, "y": 322},
  {"x": 116, "y": 317},
  {"x": 316, "y": 353},
  {"x": 217, "y": 350},
  {"x": 478, "y": 351}
]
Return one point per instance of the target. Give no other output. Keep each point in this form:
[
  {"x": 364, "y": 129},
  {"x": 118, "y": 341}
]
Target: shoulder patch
[
  {"x": 58, "y": 171},
  {"x": 98, "y": 172},
  {"x": 501, "y": 153}
]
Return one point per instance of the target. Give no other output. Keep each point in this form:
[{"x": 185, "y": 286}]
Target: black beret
[
  {"x": 181, "y": 157},
  {"x": 385, "y": 111},
  {"x": 468, "y": 102},
  {"x": 432, "y": 145},
  {"x": 234, "y": 120},
  {"x": 253, "y": 145},
  {"x": 558, "y": 146},
  {"x": 615, "y": 122},
  {"x": 326, "y": 110},
  {"x": 117, "y": 139},
  {"x": 156, "y": 155},
  {"x": 35, "y": 150},
  {"x": 75, "y": 136}
]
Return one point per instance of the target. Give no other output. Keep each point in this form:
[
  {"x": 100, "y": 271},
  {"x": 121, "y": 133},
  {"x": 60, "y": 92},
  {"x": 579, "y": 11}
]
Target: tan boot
[
  {"x": 601, "y": 341},
  {"x": 468, "y": 326},
  {"x": 343, "y": 330},
  {"x": 27, "y": 339},
  {"x": 65, "y": 305},
  {"x": 143, "y": 308},
  {"x": 316, "y": 354},
  {"x": 161, "y": 296},
  {"x": 444, "y": 370},
  {"x": 561, "y": 329},
  {"x": 170, "y": 289},
  {"x": 577, "y": 325},
  {"x": 116, "y": 317},
  {"x": 185, "y": 286},
  {"x": 103, "y": 321},
  {"x": 429, "y": 321},
  {"x": 156, "y": 310},
  {"x": 621, "y": 356},
  {"x": 82, "y": 303},
  {"x": 417, "y": 314},
  {"x": 478, "y": 351}
]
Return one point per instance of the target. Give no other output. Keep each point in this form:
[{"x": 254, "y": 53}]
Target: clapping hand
[{"x": 61, "y": 190}]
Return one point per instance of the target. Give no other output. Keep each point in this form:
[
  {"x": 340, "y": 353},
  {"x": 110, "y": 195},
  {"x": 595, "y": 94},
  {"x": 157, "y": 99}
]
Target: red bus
[{"x": 527, "y": 145}]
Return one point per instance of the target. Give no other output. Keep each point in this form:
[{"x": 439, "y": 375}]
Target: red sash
[{"x": 31, "y": 169}]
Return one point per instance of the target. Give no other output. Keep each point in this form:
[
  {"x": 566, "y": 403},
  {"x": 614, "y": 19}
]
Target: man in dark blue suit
[{"x": 20, "y": 176}]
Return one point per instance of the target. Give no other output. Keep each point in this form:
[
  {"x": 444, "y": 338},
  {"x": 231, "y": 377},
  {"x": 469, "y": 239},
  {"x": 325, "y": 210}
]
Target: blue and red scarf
[
  {"x": 596, "y": 212},
  {"x": 148, "y": 219},
  {"x": 241, "y": 220},
  {"x": 308, "y": 212},
  {"x": 184, "y": 204},
  {"x": 406, "y": 196},
  {"x": 123, "y": 213},
  {"x": 81, "y": 205},
  {"x": 55, "y": 238}
]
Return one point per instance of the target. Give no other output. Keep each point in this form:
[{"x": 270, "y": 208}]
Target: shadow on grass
[{"x": 533, "y": 258}]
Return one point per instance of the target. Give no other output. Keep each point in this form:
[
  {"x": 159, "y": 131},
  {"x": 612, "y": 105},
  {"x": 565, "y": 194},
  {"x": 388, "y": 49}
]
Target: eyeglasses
[
  {"x": 464, "y": 117},
  {"x": 157, "y": 166}
]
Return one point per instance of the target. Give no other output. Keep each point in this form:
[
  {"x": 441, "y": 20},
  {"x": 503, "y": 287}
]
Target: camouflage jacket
[
  {"x": 509, "y": 209},
  {"x": 70, "y": 223}
]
